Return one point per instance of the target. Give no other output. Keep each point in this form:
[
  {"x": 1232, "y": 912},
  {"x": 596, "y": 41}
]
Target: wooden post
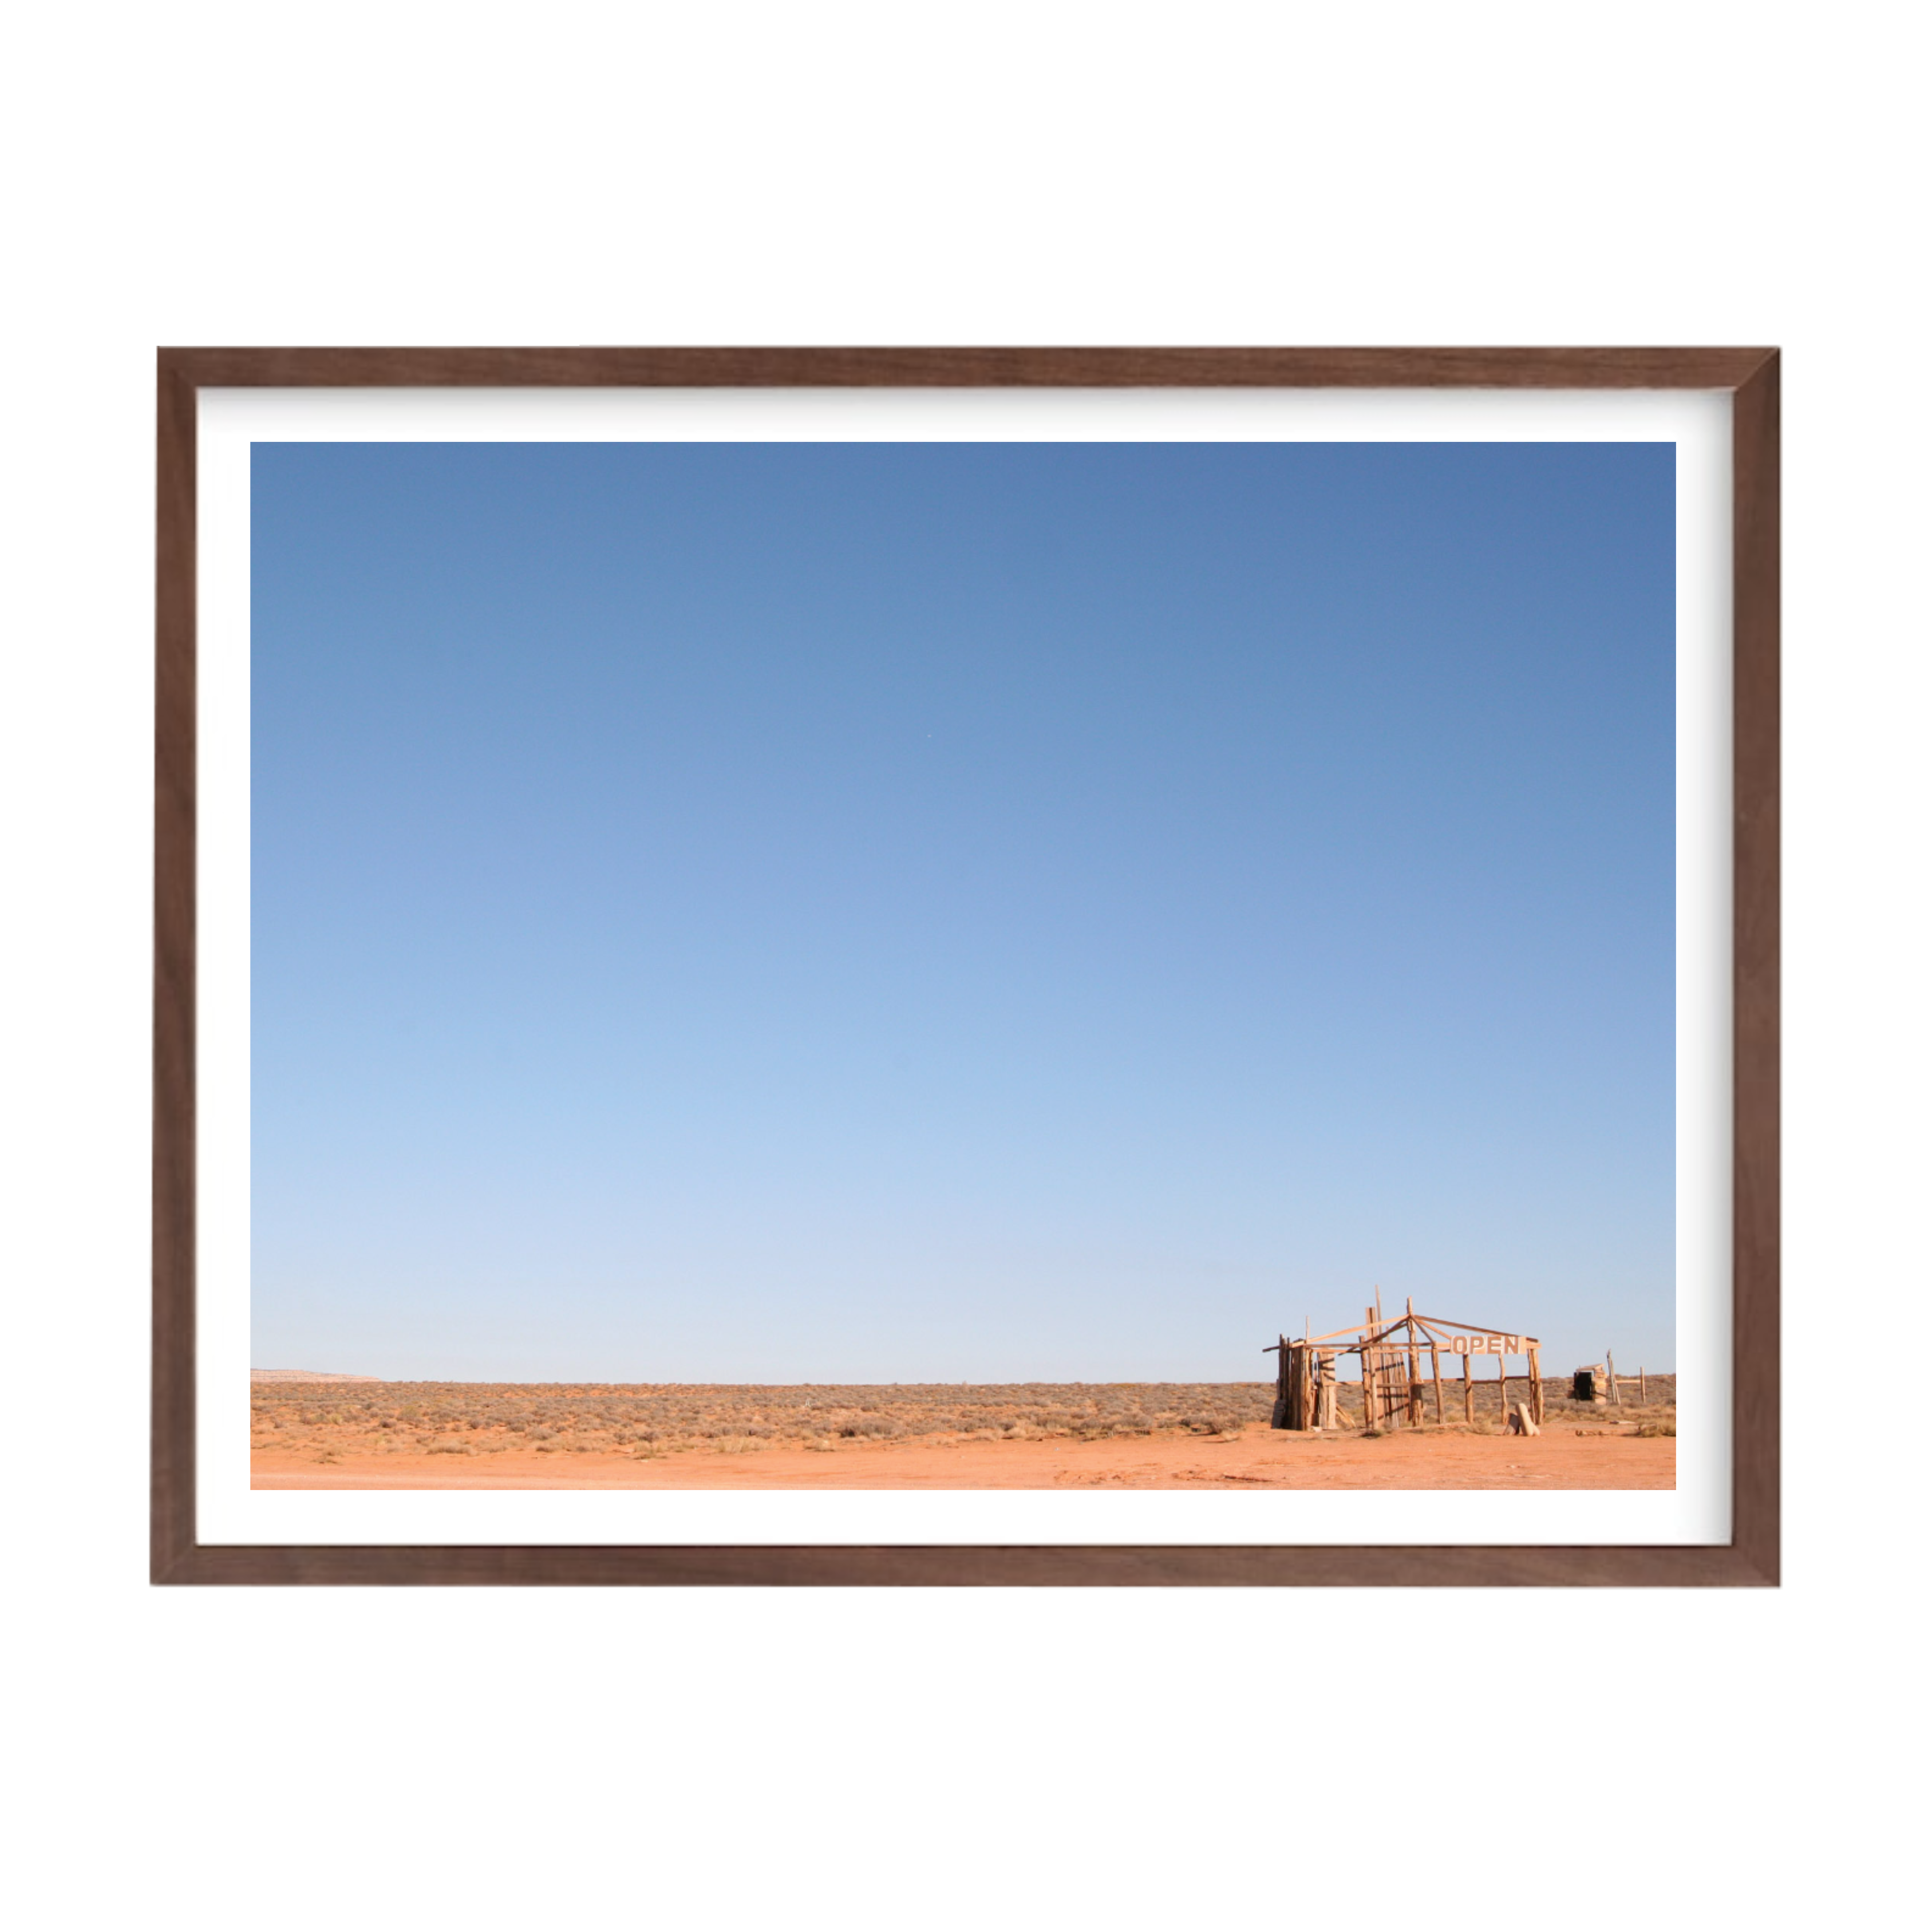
[
  {"x": 1643, "y": 1388},
  {"x": 1468, "y": 1394},
  {"x": 1371, "y": 1405},
  {"x": 1536, "y": 1385},
  {"x": 1436, "y": 1375},
  {"x": 1502, "y": 1388},
  {"x": 1415, "y": 1367},
  {"x": 1610, "y": 1370}
]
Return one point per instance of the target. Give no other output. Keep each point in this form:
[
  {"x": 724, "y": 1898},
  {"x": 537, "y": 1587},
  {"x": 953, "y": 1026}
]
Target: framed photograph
[{"x": 978, "y": 966}]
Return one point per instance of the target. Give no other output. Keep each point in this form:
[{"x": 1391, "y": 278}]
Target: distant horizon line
[{"x": 585, "y": 1382}]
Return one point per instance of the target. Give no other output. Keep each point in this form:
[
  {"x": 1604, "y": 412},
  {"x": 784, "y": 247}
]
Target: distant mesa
[{"x": 305, "y": 1375}]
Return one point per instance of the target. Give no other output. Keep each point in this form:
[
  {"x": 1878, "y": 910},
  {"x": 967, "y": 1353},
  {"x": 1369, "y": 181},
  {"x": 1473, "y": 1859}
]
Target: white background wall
[{"x": 1004, "y": 173}]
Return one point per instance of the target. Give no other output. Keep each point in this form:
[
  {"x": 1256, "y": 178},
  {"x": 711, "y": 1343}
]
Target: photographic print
[{"x": 1047, "y": 963}]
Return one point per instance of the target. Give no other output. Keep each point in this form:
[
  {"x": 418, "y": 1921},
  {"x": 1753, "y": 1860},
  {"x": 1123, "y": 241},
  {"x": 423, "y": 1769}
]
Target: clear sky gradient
[{"x": 926, "y": 913}]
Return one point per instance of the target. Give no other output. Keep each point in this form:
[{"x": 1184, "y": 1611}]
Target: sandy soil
[{"x": 1562, "y": 1458}]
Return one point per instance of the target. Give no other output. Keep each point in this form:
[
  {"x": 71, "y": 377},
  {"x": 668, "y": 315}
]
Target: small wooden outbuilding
[{"x": 1596, "y": 1383}]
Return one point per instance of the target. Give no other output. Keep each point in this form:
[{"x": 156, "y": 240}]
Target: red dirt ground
[{"x": 1561, "y": 1458}]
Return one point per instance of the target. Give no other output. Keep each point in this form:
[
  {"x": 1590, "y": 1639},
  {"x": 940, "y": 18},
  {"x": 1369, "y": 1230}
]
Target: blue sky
[{"x": 917, "y": 912}]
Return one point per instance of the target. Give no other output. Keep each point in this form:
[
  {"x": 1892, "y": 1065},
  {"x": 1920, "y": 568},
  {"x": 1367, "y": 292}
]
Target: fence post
[{"x": 1371, "y": 1387}]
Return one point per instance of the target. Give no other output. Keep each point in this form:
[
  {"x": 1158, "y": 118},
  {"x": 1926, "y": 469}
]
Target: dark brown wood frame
[{"x": 1750, "y": 376}]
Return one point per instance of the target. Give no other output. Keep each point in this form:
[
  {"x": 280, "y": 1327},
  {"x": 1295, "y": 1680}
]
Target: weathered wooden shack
[
  {"x": 1395, "y": 1393},
  {"x": 1597, "y": 1383}
]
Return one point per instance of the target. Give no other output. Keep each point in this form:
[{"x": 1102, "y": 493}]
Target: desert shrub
[
  {"x": 865, "y": 1426},
  {"x": 468, "y": 1417}
]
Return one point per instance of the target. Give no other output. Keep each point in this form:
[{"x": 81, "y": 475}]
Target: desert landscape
[{"x": 312, "y": 1430}]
